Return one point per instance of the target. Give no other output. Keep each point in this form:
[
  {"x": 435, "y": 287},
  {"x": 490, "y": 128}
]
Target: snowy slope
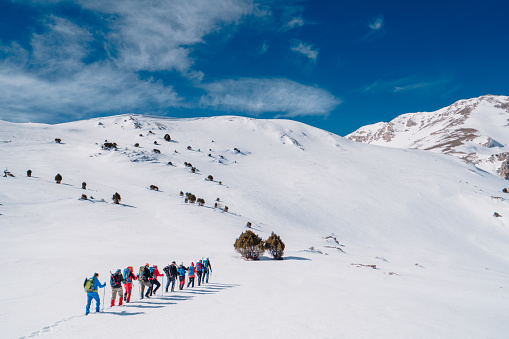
[
  {"x": 425, "y": 219},
  {"x": 474, "y": 130}
]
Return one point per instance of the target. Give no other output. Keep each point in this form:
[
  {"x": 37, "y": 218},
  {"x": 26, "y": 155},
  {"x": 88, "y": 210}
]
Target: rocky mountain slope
[{"x": 474, "y": 130}]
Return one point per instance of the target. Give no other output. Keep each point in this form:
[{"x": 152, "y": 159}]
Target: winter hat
[
  {"x": 118, "y": 270},
  {"x": 173, "y": 262},
  {"x": 131, "y": 268},
  {"x": 155, "y": 266},
  {"x": 192, "y": 264},
  {"x": 182, "y": 263},
  {"x": 147, "y": 264},
  {"x": 96, "y": 274}
]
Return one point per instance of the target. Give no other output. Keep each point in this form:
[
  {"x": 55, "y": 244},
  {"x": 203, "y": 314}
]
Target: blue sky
[{"x": 336, "y": 65}]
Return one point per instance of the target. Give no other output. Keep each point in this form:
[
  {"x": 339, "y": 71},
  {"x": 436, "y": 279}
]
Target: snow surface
[{"x": 424, "y": 219}]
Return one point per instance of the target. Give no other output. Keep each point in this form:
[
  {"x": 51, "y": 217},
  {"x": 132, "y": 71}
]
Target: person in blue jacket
[
  {"x": 182, "y": 275},
  {"x": 91, "y": 285}
]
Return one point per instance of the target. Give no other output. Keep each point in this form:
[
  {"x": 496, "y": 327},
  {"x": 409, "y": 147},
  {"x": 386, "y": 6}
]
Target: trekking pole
[{"x": 104, "y": 296}]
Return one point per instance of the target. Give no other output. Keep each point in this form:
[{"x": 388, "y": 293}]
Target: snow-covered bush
[
  {"x": 249, "y": 245},
  {"x": 84, "y": 185},
  {"x": 58, "y": 178},
  {"x": 201, "y": 201},
  {"x": 29, "y": 173},
  {"x": 210, "y": 178},
  {"x": 275, "y": 246},
  {"x": 167, "y": 137}
]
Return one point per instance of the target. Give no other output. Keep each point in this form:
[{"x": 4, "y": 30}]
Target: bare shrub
[
  {"x": 58, "y": 178},
  {"x": 116, "y": 198}
]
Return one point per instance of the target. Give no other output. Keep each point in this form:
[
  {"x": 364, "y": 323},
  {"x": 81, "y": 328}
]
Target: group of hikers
[{"x": 147, "y": 277}]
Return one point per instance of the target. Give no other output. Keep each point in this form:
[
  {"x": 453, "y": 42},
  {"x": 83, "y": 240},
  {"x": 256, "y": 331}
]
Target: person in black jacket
[
  {"x": 143, "y": 278},
  {"x": 173, "y": 276},
  {"x": 116, "y": 287}
]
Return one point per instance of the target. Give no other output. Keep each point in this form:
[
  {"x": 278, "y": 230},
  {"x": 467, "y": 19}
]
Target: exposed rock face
[
  {"x": 504, "y": 170},
  {"x": 474, "y": 130}
]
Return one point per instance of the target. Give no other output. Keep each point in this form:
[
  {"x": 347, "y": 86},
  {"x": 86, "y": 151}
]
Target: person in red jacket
[
  {"x": 128, "y": 283},
  {"x": 155, "y": 274}
]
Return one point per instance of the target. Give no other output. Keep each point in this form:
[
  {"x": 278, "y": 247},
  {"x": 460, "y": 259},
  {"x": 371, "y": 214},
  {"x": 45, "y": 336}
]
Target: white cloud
[
  {"x": 158, "y": 34},
  {"x": 377, "y": 23},
  {"x": 293, "y": 23},
  {"x": 305, "y": 49},
  {"x": 263, "y": 48},
  {"x": 257, "y": 96}
]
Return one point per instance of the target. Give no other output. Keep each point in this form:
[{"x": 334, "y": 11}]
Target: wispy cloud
[
  {"x": 402, "y": 85},
  {"x": 293, "y": 23},
  {"x": 256, "y": 96},
  {"x": 376, "y": 28},
  {"x": 377, "y": 23},
  {"x": 263, "y": 48},
  {"x": 305, "y": 49}
]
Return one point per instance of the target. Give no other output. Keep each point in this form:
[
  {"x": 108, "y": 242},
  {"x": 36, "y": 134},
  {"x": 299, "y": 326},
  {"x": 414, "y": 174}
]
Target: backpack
[
  {"x": 198, "y": 267},
  {"x": 141, "y": 276},
  {"x": 89, "y": 285},
  {"x": 127, "y": 273},
  {"x": 166, "y": 270},
  {"x": 206, "y": 263},
  {"x": 114, "y": 280}
]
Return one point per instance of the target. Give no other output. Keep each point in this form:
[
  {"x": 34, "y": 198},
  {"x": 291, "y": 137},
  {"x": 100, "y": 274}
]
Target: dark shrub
[
  {"x": 236, "y": 150},
  {"x": 496, "y": 215},
  {"x": 136, "y": 145},
  {"x": 154, "y": 188},
  {"x": 210, "y": 178},
  {"x": 505, "y": 190},
  {"x": 155, "y": 142},
  {"x": 29, "y": 173},
  {"x": 275, "y": 246},
  {"x": 84, "y": 185},
  {"x": 218, "y": 199},
  {"x": 167, "y": 137},
  {"x": 220, "y": 183},
  {"x": 215, "y": 205},
  {"x": 84, "y": 197},
  {"x": 141, "y": 135},
  {"x": 186, "y": 200},
  {"x": 189, "y": 148},
  {"x": 249, "y": 245},
  {"x": 150, "y": 132},
  {"x": 226, "y": 208},
  {"x": 109, "y": 145},
  {"x": 193, "y": 169},
  {"x": 156, "y": 151},
  {"x": 170, "y": 163},
  {"x": 181, "y": 193},
  {"x": 58, "y": 178},
  {"x": 248, "y": 225},
  {"x": 200, "y": 201},
  {"x": 210, "y": 155},
  {"x": 116, "y": 198},
  {"x": 58, "y": 140}
]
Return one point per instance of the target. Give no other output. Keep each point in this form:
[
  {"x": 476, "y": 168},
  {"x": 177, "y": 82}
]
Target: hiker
[
  {"x": 173, "y": 275},
  {"x": 143, "y": 277},
  {"x": 199, "y": 271},
  {"x": 170, "y": 276},
  {"x": 91, "y": 285},
  {"x": 206, "y": 267},
  {"x": 182, "y": 275},
  {"x": 116, "y": 280},
  {"x": 155, "y": 274},
  {"x": 128, "y": 282},
  {"x": 191, "y": 275}
]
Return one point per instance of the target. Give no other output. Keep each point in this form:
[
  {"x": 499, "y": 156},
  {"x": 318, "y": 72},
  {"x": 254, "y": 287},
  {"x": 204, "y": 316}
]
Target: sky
[{"x": 335, "y": 65}]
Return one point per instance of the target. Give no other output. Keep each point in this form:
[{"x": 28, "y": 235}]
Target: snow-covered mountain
[
  {"x": 475, "y": 130},
  {"x": 426, "y": 220}
]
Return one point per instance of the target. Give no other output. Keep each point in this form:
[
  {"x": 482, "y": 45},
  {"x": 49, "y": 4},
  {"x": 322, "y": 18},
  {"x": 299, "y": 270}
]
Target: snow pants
[
  {"x": 182, "y": 281},
  {"x": 205, "y": 275},
  {"x": 128, "y": 289},
  {"x": 114, "y": 291},
  {"x": 172, "y": 281},
  {"x": 199, "y": 277},
  {"x": 144, "y": 283},
  {"x": 191, "y": 282},
  {"x": 90, "y": 296},
  {"x": 156, "y": 283}
]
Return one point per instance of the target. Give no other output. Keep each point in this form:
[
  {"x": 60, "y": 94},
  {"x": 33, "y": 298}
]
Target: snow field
[{"x": 407, "y": 206}]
